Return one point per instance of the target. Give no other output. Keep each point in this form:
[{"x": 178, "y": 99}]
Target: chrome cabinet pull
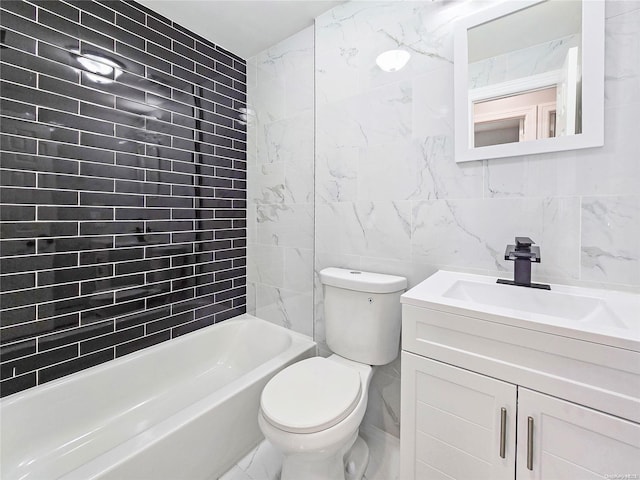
[
  {"x": 530, "y": 443},
  {"x": 503, "y": 431}
]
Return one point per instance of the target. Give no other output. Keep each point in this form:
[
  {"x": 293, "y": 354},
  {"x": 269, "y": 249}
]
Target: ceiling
[{"x": 244, "y": 27}]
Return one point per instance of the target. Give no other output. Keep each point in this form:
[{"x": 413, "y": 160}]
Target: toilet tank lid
[{"x": 362, "y": 281}]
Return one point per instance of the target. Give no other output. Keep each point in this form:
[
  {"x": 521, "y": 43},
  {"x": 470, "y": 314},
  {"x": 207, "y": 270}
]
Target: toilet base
[
  {"x": 341, "y": 465},
  {"x": 356, "y": 460}
]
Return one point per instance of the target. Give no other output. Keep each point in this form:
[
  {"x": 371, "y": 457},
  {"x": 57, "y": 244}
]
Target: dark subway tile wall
[{"x": 122, "y": 182}]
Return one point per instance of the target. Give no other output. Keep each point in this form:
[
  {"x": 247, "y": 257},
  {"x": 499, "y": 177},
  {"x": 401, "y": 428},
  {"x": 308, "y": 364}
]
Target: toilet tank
[{"x": 362, "y": 314}]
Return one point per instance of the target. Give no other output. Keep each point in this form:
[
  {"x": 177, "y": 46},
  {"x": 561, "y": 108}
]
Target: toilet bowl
[
  {"x": 312, "y": 415},
  {"x": 311, "y": 411}
]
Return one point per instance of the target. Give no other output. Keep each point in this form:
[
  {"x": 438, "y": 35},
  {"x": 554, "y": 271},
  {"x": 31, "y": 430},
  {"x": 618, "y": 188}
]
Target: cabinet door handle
[
  {"x": 503, "y": 431},
  {"x": 530, "y": 443}
]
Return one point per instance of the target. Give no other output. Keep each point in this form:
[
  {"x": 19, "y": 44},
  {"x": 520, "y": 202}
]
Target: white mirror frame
[{"x": 592, "y": 87}]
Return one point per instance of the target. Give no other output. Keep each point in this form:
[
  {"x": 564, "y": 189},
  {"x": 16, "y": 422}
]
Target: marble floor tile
[{"x": 264, "y": 461}]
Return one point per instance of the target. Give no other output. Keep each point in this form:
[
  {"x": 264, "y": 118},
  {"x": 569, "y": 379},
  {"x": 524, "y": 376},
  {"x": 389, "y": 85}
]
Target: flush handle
[{"x": 503, "y": 431}]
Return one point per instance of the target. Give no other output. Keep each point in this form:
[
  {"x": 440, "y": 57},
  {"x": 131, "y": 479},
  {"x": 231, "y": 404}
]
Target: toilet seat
[{"x": 310, "y": 396}]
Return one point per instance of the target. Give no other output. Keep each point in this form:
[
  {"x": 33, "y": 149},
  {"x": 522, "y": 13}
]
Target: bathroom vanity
[{"x": 503, "y": 382}]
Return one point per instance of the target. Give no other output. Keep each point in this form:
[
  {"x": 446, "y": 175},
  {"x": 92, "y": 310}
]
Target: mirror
[{"x": 529, "y": 78}]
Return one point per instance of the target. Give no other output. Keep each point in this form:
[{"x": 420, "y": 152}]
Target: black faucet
[{"x": 523, "y": 253}]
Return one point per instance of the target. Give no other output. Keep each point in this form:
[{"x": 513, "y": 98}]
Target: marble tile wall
[
  {"x": 385, "y": 193},
  {"x": 389, "y": 196},
  {"x": 280, "y": 183}
]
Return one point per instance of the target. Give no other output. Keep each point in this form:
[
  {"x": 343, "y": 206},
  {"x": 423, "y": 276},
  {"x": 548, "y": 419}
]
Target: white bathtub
[{"x": 183, "y": 409}]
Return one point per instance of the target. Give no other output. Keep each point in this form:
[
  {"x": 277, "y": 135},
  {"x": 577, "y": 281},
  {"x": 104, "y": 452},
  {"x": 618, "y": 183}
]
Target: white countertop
[{"x": 600, "y": 316}]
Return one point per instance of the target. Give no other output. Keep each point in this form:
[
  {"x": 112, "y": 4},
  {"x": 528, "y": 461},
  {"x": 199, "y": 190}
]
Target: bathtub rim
[{"x": 242, "y": 318}]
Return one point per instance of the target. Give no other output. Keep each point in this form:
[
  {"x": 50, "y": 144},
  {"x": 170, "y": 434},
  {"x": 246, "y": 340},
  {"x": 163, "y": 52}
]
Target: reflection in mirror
[
  {"x": 524, "y": 80},
  {"x": 516, "y": 118},
  {"x": 529, "y": 78}
]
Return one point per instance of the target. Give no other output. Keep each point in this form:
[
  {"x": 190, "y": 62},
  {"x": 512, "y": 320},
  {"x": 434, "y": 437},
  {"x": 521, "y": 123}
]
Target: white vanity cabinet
[
  {"x": 569, "y": 441},
  {"x": 462, "y": 425},
  {"x": 453, "y": 423},
  {"x": 484, "y": 398}
]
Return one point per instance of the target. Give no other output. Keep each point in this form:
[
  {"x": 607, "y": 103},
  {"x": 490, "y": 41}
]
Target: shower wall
[{"x": 123, "y": 172}]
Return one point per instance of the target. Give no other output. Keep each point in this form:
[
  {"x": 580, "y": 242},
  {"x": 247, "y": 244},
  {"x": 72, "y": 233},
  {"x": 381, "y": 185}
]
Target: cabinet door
[
  {"x": 568, "y": 441},
  {"x": 452, "y": 422}
]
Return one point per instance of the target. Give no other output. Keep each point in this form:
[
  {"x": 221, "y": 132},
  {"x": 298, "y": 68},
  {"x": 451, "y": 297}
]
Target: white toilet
[{"x": 311, "y": 411}]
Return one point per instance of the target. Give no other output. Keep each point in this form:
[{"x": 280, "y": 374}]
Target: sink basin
[
  {"x": 601, "y": 316},
  {"x": 557, "y": 304}
]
